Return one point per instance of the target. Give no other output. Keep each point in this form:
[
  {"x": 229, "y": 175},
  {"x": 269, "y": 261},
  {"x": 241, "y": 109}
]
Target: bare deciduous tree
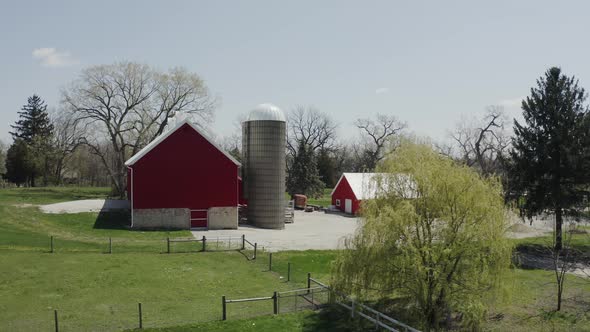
[
  {"x": 2, "y": 159},
  {"x": 377, "y": 133},
  {"x": 128, "y": 104},
  {"x": 311, "y": 127},
  {"x": 67, "y": 136},
  {"x": 480, "y": 143}
]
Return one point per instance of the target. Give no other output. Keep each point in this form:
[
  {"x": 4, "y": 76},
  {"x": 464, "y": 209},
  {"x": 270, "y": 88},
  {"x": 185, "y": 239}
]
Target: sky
[{"x": 428, "y": 63}]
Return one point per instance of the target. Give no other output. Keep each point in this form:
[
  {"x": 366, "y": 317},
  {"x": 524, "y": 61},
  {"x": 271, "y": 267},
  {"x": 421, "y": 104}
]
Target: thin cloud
[
  {"x": 381, "y": 91},
  {"x": 512, "y": 103},
  {"x": 51, "y": 57}
]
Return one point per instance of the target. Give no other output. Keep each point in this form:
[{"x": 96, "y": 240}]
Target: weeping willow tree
[{"x": 433, "y": 239}]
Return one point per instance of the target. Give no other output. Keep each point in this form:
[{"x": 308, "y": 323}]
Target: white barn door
[{"x": 348, "y": 206}]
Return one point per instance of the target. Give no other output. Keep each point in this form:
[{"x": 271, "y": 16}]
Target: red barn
[
  {"x": 182, "y": 180},
  {"x": 350, "y": 190}
]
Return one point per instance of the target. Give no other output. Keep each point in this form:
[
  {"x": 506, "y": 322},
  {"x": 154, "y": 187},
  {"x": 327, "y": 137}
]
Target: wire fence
[
  {"x": 114, "y": 245},
  {"x": 116, "y": 317},
  {"x": 306, "y": 293},
  {"x": 313, "y": 298}
]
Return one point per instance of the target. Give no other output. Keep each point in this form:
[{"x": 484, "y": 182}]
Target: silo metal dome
[
  {"x": 264, "y": 112},
  {"x": 263, "y": 173}
]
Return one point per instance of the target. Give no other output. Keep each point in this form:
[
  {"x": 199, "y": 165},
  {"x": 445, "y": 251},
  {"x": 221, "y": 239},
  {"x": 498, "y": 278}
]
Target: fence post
[
  {"x": 270, "y": 261},
  {"x": 275, "y": 303},
  {"x": 55, "y": 317},
  {"x": 140, "y": 317},
  {"x": 289, "y": 271},
  {"x": 168, "y": 245},
  {"x": 255, "y": 247},
  {"x": 353, "y": 308},
  {"x": 243, "y": 241},
  {"x": 110, "y": 245},
  {"x": 223, "y": 308},
  {"x": 204, "y": 243},
  {"x": 52, "y": 244},
  {"x": 377, "y": 320},
  {"x": 308, "y": 282}
]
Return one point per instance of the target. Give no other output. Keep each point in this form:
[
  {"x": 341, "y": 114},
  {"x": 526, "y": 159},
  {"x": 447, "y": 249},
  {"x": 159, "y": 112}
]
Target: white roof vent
[{"x": 266, "y": 112}]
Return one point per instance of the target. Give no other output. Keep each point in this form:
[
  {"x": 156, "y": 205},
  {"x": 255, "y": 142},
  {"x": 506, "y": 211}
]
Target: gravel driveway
[
  {"x": 86, "y": 205},
  {"x": 311, "y": 230}
]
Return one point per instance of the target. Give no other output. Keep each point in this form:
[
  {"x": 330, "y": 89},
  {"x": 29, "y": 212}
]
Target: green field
[
  {"x": 325, "y": 200},
  {"x": 93, "y": 290}
]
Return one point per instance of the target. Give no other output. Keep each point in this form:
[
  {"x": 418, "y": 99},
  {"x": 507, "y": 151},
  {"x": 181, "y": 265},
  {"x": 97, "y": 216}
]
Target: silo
[{"x": 263, "y": 146}]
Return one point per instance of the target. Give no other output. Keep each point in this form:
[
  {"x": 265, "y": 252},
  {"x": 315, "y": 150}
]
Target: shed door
[
  {"x": 199, "y": 218},
  {"x": 348, "y": 206}
]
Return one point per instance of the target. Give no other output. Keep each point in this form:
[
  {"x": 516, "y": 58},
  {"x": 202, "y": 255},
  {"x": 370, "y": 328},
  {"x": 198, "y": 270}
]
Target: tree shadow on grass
[
  {"x": 113, "y": 220},
  {"x": 335, "y": 318},
  {"x": 332, "y": 319}
]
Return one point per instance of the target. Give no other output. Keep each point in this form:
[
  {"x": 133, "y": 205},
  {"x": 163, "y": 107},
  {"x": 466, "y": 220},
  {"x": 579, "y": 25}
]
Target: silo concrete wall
[{"x": 264, "y": 172}]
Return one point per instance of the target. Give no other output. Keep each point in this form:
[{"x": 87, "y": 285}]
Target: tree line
[
  {"x": 110, "y": 112},
  {"x": 105, "y": 116}
]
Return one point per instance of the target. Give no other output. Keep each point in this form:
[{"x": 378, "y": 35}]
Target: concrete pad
[
  {"x": 86, "y": 205},
  {"x": 311, "y": 230}
]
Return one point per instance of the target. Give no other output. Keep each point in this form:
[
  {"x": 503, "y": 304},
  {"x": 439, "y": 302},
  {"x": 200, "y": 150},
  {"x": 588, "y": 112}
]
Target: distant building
[
  {"x": 183, "y": 180},
  {"x": 353, "y": 188}
]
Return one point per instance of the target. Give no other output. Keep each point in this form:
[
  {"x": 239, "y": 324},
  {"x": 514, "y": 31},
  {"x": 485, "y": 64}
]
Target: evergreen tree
[
  {"x": 19, "y": 162},
  {"x": 327, "y": 168},
  {"x": 303, "y": 177},
  {"x": 34, "y": 121},
  {"x": 549, "y": 164},
  {"x": 35, "y": 129}
]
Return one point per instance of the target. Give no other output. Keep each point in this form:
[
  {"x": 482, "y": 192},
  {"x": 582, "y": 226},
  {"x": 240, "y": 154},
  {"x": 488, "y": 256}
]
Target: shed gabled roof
[
  {"x": 369, "y": 185},
  {"x": 359, "y": 183},
  {"x": 136, "y": 157}
]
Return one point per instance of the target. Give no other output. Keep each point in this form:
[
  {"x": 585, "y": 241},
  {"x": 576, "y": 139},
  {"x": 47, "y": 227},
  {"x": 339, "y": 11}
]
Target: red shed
[
  {"x": 182, "y": 179},
  {"x": 351, "y": 189}
]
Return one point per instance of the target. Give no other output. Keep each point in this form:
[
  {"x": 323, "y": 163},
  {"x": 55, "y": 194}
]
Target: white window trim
[{"x": 337, "y": 202}]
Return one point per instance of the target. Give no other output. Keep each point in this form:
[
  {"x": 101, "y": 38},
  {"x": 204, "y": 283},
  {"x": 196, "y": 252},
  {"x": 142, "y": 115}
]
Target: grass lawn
[
  {"x": 96, "y": 291},
  {"x": 25, "y": 228},
  {"x": 48, "y": 195},
  {"x": 526, "y": 304},
  {"x": 325, "y": 200},
  {"x": 182, "y": 292},
  {"x": 328, "y": 320},
  {"x": 579, "y": 241},
  {"x": 101, "y": 291}
]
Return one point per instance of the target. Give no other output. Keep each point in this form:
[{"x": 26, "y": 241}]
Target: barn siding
[
  {"x": 342, "y": 192},
  {"x": 184, "y": 171}
]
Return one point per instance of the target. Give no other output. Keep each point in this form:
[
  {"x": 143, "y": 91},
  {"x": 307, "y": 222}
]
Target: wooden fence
[{"x": 317, "y": 297}]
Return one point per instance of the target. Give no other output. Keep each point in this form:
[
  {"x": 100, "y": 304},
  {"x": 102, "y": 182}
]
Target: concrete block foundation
[
  {"x": 223, "y": 217},
  {"x": 161, "y": 219}
]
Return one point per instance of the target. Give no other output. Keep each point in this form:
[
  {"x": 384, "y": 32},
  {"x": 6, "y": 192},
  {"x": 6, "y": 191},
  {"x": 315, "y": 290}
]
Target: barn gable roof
[
  {"x": 136, "y": 157},
  {"x": 368, "y": 186}
]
